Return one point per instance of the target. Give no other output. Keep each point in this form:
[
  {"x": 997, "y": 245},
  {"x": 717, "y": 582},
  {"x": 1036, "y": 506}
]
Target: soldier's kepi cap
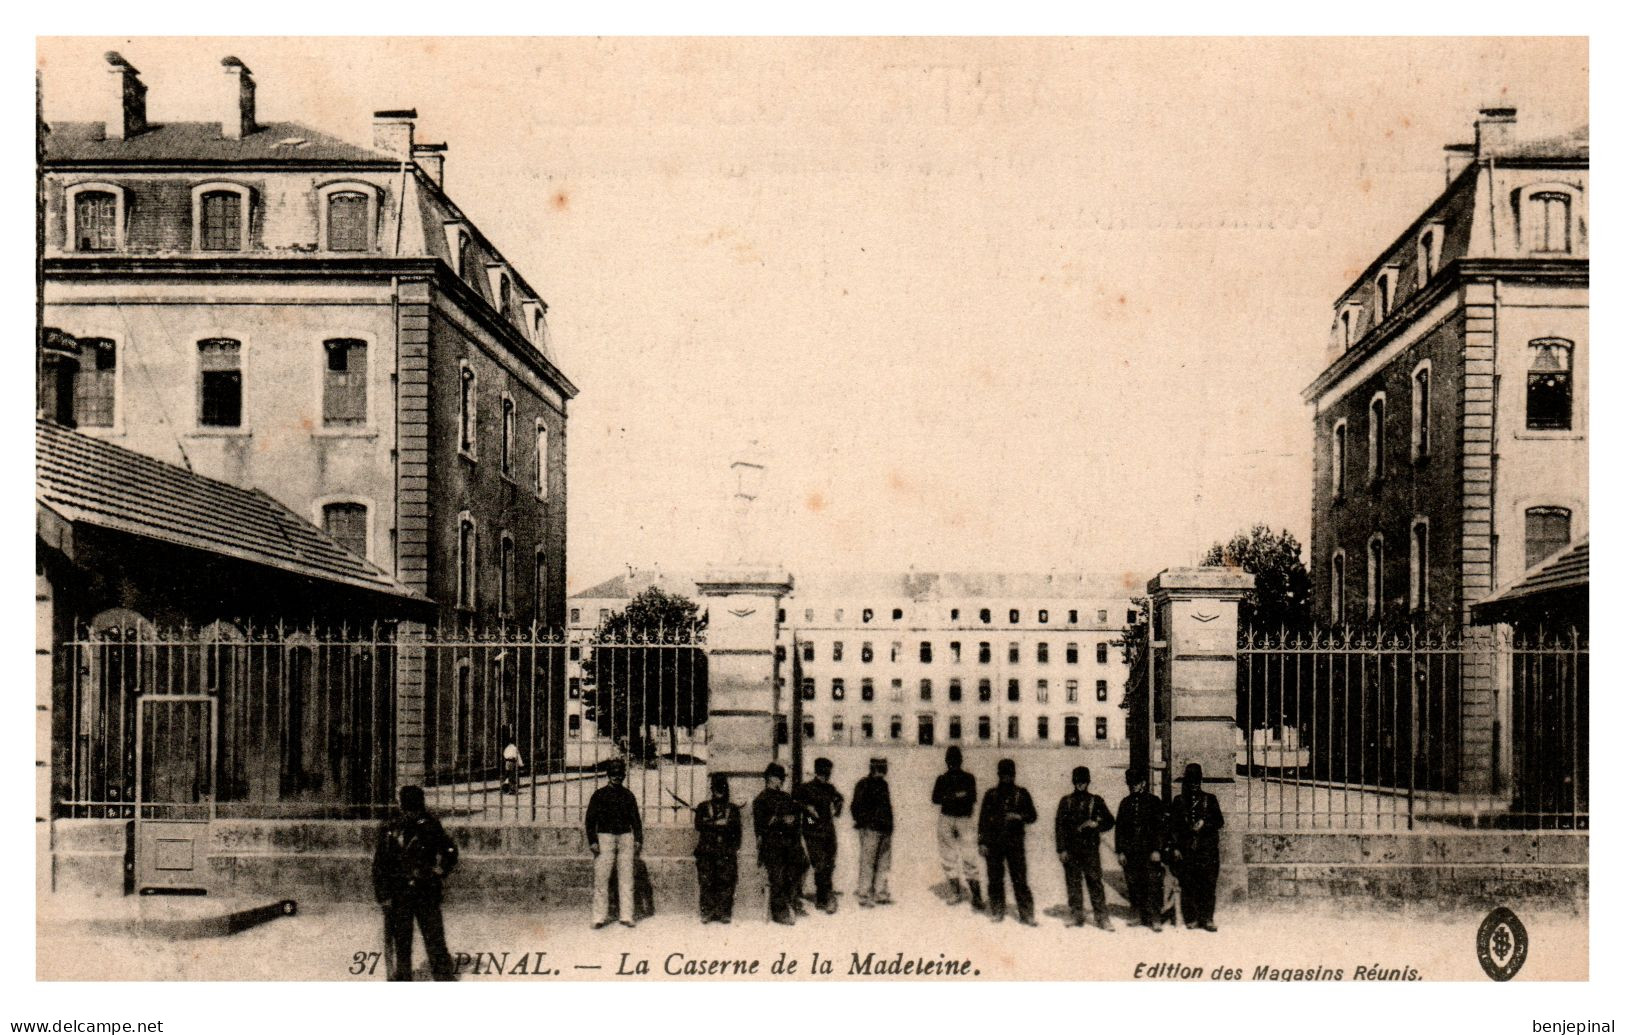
[
  {"x": 774, "y": 771},
  {"x": 823, "y": 766},
  {"x": 1136, "y": 774},
  {"x": 1080, "y": 774},
  {"x": 616, "y": 767},
  {"x": 1007, "y": 767},
  {"x": 877, "y": 763},
  {"x": 1193, "y": 773}
]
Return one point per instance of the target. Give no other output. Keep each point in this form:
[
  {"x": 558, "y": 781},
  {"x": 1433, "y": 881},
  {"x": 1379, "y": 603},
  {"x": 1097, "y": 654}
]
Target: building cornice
[
  {"x": 163, "y": 165},
  {"x": 280, "y": 267},
  {"x": 1449, "y": 279}
]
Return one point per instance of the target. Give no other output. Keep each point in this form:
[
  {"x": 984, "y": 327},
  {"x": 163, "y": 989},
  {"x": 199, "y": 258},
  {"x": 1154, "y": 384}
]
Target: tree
[
  {"x": 1279, "y": 599},
  {"x": 648, "y": 671}
]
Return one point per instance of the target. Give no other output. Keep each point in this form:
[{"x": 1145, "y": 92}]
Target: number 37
[{"x": 364, "y": 962}]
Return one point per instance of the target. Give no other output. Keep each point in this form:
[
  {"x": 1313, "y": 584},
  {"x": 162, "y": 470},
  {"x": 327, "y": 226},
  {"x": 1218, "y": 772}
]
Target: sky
[{"x": 982, "y": 305}]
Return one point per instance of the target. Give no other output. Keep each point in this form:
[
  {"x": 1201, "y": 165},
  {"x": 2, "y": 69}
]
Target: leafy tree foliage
[{"x": 648, "y": 671}]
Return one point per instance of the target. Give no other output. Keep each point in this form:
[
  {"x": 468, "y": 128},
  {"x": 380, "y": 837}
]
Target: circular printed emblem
[{"x": 1503, "y": 944}]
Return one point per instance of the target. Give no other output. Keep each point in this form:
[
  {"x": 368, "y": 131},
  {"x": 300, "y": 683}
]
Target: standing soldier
[
  {"x": 1001, "y": 833},
  {"x": 1195, "y": 820},
  {"x": 777, "y": 819},
  {"x": 716, "y": 856},
  {"x": 408, "y": 870},
  {"x": 823, "y": 804},
  {"x": 872, "y": 815},
  {"x": 955, "y": 794},
  {"x": 1139, "y": 843},
  {"x": 615, "y": 837},
  {"x": 1080, "y": 819}
]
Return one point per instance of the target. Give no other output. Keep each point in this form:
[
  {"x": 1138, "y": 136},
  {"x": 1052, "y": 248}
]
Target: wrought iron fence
[
  {"x": 279, "y": 723},
  {"x": 1396, "y": 729}
]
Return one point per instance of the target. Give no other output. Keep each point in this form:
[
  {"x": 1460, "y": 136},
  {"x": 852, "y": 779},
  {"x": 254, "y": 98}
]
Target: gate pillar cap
[
  {"x": 1209, "y": 582},
  {"x": 754, "y": 580}
]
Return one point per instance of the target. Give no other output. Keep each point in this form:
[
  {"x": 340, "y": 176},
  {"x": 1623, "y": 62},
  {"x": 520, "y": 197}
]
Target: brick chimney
[
  {"x": 127, "y": 100},
  {"x": 431, "y": 158},
  {"x": 392, "y": 131},
  {"x": 1456, "y": 158},
  {"x": 1494, "y": 128},
  {"x": 237, "y": 113}
]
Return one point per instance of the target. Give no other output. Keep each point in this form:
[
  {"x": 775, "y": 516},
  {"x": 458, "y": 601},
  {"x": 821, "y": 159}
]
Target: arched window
[
  {"x": 508, "y": 433},
  {"x": 1546, "y": 530},
  {"x": 1419, "y": 565},
  {"x": 344, "y": 383},
  {"x": 1374, "y": 577},
  {"x": 1377, "y": 437},
  {"x": 539, "y": 600},
  {"x": 1337, "y": 589},
  {"x": 1421, "y": 409},
  {"x": 1549, "y": 396},
  {"x": 1545, "y": 221},
  {"x": 505, "y": 576},
  {"x": 97, "y": 226},
  {"x": 467, "y": 561},
  {"x": 1339, "y": 458},
  {"x": 220, "y": 218},
  {"x": 542, "y": 460},
  {"x": 468, "y": 410},
  {"x": 349, "y": 221}
]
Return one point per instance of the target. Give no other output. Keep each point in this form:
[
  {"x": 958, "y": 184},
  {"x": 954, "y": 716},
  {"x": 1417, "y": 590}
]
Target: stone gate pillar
[
  {"x": 742, "y": 644},
  {"x": 411, "y": 765},
  {"x": 1195, "y": 613}
]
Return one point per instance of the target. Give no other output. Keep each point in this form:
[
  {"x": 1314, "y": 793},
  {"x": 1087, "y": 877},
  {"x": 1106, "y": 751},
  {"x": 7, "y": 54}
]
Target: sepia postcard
[{"x": 533, "y": 510}]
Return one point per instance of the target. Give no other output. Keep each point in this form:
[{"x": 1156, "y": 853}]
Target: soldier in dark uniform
[
  {"x": 1001, "y": 835},
  {"x": 408, "y": 870},
  {"x": 872, "y": 815},
  {"x": 1080, "y": 819},
  {"x": 1194, "y": 822},
  {"x": 777, "y": 819},
  {"x": 1140, "y": 826},
  {"x": 823, "y": 804},
  {"x": 716, "y": 855},
  {"x": 955, "y": 794}
]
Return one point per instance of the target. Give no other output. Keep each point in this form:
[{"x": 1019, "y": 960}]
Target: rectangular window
[
  {"x": 1549, "y": 399},
  {"x": 927, "y": 734},
  {"x": 220, "y": 403},
  {"x": 94, "y": 383},
  {"x": 575, "y": 615},
  {"x": 1015, "y": 617},
  {"x": 955, "y": 690},
  {"x": 806, "y": 650},
  {"x": 837, "y": 689},
  {"x": 896, "y": 727},
  {"x": 953, "y": 652},
  {"x": 867, "y": 726},
  {"x": 575, "y": 727},
  {"x": 925, "y": 652},
  {"x": 984, "y": 728},
  {"x": 984, "y": 690},
  {"x": 1100, "y": 689},
  {"x": 897, "y": 614},
  {"x": 1015, "y": 653},
  {"x": 837, "y": 729},
  {"x": 575, "y": 688},
  {"x": 809, "y": 730},
  {"x": 95, "y": 221},
  {"x": 344, "y": 383},
  {"x": 925, "y": 689},
  {"x": 808, "y": 688},
  {"x": 867, "y": 653},
  {"x": 1100, "y": 727},
  {"x": 1012, "y": 730},
  {"x": 1013, "y": 690},
  {"x": 1043, "y": 654},
  {"x": 954, "y": 729},
  {"x": 1100, "y": 653},
  {"x": 1100, "y": 616},
  {"x": 984, "y": 653},
  {"x": 1071, "y": 691},
  {"x": 1070, "y": 735},
  {"x": 836, "y": 650},
  {"x": 1071, "y": 654},
  {"x": 346, "y": 524},
  {"x": 1072, "y": 617},
  {"x": 1043, "y": 727},
  {"x": 222, "y": 224},
  {"x": 808, "y": 615},
  {"x": 1042, "y": 691},
  {"x": 867, "y": 689},
  {"x": 897, "y": 689},
  {"x": 896, "y": 651},
  {"x": 840, "y": 615},
  {"x": 1546, "y": 221},
  {"x": 347, "y": 222},
  {"x": 1043, "y": 617}
]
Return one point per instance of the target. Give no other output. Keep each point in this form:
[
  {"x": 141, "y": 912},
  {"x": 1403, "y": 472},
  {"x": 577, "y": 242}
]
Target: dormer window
[
  {"x": 1428, "y": 249},
  {"x": 95, "y": 213},
  {"x": 1384, "y": 294},
  {"x": 349, "y": 214},
  {"x": 1545, "y": 221},
  {"x": 1348, "y": 325},
  {"x": 220, "y": 218}
]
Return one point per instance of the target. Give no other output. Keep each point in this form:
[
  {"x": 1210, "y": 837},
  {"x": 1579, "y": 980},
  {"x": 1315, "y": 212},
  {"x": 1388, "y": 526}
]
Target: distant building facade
[
  {"x": 271, "y": 307},
  {"x": 927, "y": 658},
  {"x": 1451, "y": 422}
]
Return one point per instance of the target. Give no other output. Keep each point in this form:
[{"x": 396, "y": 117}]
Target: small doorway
[{"x": 174, "y": 792}]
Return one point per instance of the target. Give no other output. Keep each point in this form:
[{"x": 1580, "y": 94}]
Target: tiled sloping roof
[
  {"x": 201, "y": 141},
  {"x": 1574, "y": 144},
  {"x": 1568, "y": 569},
  {"x": 88, "y": 481}
]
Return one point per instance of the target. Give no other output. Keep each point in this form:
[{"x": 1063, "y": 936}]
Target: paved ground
[{"x": 100, "y": 939}]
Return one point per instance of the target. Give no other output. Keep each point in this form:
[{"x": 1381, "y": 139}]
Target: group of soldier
[{"x": 797, "y": 833}]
